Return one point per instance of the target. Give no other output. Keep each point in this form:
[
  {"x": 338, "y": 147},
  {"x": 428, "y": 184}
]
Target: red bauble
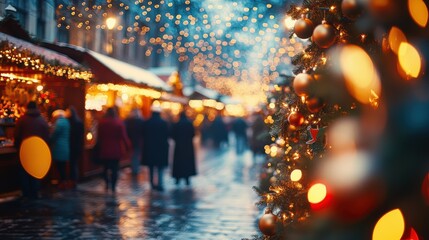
[
  {"x": 314, "y": 104},
  {"x": 351, "y": 9},
  {"x": 303, "y": 28},
  {"x": 296, "y": 119},
  {"x": 268, "y": 224},
  {"x": 324, "y": 35},
  {"x": 301, "y": 84}
]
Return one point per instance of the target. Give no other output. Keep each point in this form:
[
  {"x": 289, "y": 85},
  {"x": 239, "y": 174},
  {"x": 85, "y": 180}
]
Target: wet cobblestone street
[{"x": 219, "y": 204}]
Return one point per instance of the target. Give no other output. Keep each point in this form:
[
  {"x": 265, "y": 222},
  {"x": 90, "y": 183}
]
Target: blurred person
[
  {"x": 239, "y": 127},
  {"x": 155, "y": 147},
  {"x": 183, "y": 133},
  {"x": 77, "y": 132},
  {"x": 113, "y": 145},
  {"x": 31, "y": 124},
  {"x": 219, "y": 132},
  {"x": 205, "y": 131},
  {"x": 60, "y": 145},
  {"x": 134, "y": 127}
]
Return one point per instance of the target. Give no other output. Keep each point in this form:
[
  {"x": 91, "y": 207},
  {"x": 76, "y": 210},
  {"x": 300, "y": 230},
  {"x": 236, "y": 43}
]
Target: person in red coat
[{"x": 113, "y": 145}]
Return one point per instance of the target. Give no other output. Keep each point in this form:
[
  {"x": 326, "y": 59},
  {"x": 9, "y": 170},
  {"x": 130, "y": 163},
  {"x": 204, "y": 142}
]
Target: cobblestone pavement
[{"x": 219, "y": 204}]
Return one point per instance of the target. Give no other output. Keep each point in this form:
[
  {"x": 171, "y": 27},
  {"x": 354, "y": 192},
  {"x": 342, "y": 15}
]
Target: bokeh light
[
  {"x": 296, "y": 175},
  {"x": 409, "y": 60},
  {"x": 359, "y": 73},
  {"x": 317, "y": 193},
  {"x": 35, "y": 156},
  {"x": 396, "y": 37},
  {"x": 418, "y": 11},
  {"x": 390, "y": 226}
]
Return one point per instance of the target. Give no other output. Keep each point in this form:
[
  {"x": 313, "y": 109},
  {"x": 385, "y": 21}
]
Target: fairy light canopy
[{"x": 234, "y": 47}]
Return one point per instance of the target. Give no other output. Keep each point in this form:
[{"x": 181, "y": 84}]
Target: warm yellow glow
[
  {"x": 89, "y": 136},
  {"x": 111, "y": 23},
  {"x": 390, "y": 226},
  {"x": 418, "y": 11},
  {"x": 317, "y": 193},
  {"x": 359, "y": 73},
  {"x": 13, "y": 76},
  {"x": 289, "y": 22},
  {"x": 396, "y": 37},
  {"x": 196, "y": 104},
  {"x": 35, "y": 156},
  {"x": 409, "y": 59},
  {"x": 296, "y": 175},
  {"x": 39, "y": 88}
]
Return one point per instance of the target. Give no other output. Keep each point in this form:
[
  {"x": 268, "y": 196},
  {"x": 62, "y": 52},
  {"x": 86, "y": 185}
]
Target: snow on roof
[
  {"x": 125, "y": 70},
  {"x": 131, "y": 72},
  {"x": 46, "y": 53}
]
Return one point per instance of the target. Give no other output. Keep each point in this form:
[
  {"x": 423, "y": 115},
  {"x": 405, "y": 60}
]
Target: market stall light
[
  {"x": 129, "y": 90},
  {"x": 39, "y": 88},
  {"x": 22, "y": 78}
]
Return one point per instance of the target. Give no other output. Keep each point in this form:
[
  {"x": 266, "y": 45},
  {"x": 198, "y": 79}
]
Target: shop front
[
  {"x": 115, "y": 83},
  {"x": 32, "y": 73}
]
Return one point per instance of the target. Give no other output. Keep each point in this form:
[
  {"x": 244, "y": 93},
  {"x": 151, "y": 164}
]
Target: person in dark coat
[
  {"x": 134, "y": 126},
  {"x": 77, "y": 132},
  {"x": 219, "y": 132},
  {"x": 31, "y": 124},
  {"x": 155, "y": 147},
  {"x": 183, "y": 133},
  {"x": 239, "y": 127},
  {"x": 113, "y": 145}
]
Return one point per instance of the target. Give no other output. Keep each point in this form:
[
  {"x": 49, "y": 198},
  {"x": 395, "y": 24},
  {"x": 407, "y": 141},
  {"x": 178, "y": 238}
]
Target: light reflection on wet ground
[{"x": 218, "y": 205}]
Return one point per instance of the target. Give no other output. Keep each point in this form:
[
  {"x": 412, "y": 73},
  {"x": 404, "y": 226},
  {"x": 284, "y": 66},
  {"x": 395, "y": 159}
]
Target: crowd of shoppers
[{"x": 144, "y": 141}]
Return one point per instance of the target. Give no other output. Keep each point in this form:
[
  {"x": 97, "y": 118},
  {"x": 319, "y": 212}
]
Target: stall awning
[{"x": 110, "y": 70}]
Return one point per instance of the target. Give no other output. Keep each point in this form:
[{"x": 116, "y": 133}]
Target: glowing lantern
[{"x": 35, "y": 156}]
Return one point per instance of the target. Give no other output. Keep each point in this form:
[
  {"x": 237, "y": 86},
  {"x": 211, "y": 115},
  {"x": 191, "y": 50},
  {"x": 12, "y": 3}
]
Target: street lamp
[{"x": 110, "y": 23}]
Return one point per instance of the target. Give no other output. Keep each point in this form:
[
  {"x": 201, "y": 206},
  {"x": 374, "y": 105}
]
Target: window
[
  {"x": 41, "y": 22},
  {"x": 21, "y": 12}
]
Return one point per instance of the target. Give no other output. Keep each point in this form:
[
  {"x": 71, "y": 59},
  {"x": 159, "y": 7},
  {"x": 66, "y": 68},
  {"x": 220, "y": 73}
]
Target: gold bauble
[{"x": 268, "y": 224}]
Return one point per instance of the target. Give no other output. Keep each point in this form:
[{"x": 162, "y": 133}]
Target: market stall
[
  {"x": 116, "y": 83},
  {"x": 30, "y": 72}
]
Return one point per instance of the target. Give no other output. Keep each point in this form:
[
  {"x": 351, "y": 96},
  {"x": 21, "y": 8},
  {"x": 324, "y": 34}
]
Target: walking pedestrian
[
  {"x": 113, "y": 145},
  {"x": 239, "y": 127},
  {"x": 31, "y": 124},
  {"x": 134, "y": 127},
  {"x": 155, "y": 147},
  {"x": 183, "y": 133},
  {"x": 60, "y": 145},
  {"x": 76, "y": 143},
  {"x": 220, "y": 132}
]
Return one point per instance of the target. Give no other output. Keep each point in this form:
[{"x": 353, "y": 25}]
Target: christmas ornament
[
  {"x": 303, "y": 28},
  {"x": 314, "y": 104},
  {"x": 324, "y": 35},
  {"x": 351, "y": 9},
  {"x": 301, "y": 84},
  {"x": 315, "y": 134},
  {"x": 295, "y": 119},
  {"x": 267, "y": 224}
]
